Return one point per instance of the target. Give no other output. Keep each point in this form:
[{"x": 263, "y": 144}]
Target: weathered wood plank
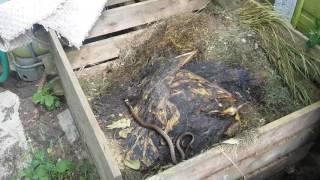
[
  {"x": 99, "y": 51},
  {"x": 213, "y": 161},
  {"x": 264, "y": 157},
  {"x": 141, "y": 13},
  {"x": 115, "y": 2},
  {"x": 87, "y": 125},
  {"x": 278, "y": 164}
]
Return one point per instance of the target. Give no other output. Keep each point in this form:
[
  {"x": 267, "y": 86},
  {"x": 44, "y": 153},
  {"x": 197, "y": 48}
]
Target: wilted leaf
[
  {"x": 231, "y": 111},
  {"x": 122, "y": 123},
  {"x": 124, "y": 132},
  {"x": 237, "y": 117},
  {"x": 133, "y": 164},
  {"x": 231, "y": 141}
]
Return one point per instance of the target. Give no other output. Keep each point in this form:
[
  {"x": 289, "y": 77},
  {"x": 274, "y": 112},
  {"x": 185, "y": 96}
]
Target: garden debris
[
  {"x": 176, "y": 95},
  {"x": 122, "y": 123},
  {"x": 124, "y": 132},
  {"x": 231, "y": 141},
  {"x": 133, "y": 164}
]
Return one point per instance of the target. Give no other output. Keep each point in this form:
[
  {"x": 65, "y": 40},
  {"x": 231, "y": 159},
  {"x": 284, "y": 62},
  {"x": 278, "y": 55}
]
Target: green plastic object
[
  {"x": 24, "y": 52},
  {"x": 4, "y": 62}
]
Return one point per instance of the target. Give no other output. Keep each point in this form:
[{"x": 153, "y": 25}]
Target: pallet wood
[
  {"x": 141, "y": 13},
  {"x": 278, "y": 164},
  {"x": 210, "y": 163},
  {"x": 104, "y": 50},
  {"x": 88, "y": 126},
  {"x": 100, "y": 51}
]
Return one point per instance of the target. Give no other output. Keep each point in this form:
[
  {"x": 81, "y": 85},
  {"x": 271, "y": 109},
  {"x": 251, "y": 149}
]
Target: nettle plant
[
  {"x": 314, "y": 36},
  {"x": 46, "y": 97},
  {"x": 42, "y": 167}
]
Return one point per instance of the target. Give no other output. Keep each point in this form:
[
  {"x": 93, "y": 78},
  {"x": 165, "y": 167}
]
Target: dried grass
[{"x": 291, "y": 62}]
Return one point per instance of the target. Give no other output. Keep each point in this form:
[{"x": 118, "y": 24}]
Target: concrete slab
[{"x": 13, "y": 144}]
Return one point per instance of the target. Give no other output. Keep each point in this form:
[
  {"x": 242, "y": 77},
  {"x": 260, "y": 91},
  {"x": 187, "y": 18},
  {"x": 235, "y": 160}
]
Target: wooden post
[{"x": 82, "y": 114}]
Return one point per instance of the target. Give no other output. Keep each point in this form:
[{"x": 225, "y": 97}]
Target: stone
[
  {"x": 67, "y": 124},
  {"x": 13, "y": 143}
]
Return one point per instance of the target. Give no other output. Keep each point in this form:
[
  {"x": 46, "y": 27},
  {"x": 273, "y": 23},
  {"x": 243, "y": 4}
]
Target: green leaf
[
  {"x": 40, "y": 155},
  {"x": 41, "y": 171},
  {"x": 57, "y": 102},
  {"x": 36, "y": 98},
  {"x": 27, "y": 173},
  {"x": 49, "y": 101},
  {"x": 64, "y": 166}
]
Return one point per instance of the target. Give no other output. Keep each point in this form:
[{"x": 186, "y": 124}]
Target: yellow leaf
[
  {"x": 124, "y": 132},
  {"x": 231, "y": 111},
  {"x": 133, "y": 164},
  {"x": 122, "y": 123},
  {"x": 238, "y": 117}
]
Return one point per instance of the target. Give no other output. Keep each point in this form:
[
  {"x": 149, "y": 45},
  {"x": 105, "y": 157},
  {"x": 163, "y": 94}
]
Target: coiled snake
[{"x": 163, "y": 134}]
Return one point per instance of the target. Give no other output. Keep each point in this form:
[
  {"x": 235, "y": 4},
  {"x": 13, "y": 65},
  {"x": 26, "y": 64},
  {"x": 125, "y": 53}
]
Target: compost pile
[{"x": 200, "y": 78}]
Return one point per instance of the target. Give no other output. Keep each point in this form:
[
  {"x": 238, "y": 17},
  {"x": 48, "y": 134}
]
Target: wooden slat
[
  {"x": 269, "y": 136},
  {"x": 85, "y": 120},
  {"x": 115, "y": 2},
  {"x": 312, "y": 6},
  {"x": 99, "y": 51},
  {"x": 297, "y": 13},
  {"x": 278, "y": 164},
  {"x": 265, "y": 157},
  {"x": 306, "y": 23},
  {"x": 141, "y": 13}
]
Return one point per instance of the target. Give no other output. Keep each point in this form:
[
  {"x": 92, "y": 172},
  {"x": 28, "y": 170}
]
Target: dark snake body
[{"x": 163, "y": 134}]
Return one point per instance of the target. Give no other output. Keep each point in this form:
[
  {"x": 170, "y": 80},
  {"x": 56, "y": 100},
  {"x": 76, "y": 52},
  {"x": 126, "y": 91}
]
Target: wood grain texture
[
  {"x": 278, "y": 164},
  {"x": 141, "y": 13},
  {"x": 85, "y": 120},
  {"x": 273, "y": 141},
  {"x": 99, "y": 51}
]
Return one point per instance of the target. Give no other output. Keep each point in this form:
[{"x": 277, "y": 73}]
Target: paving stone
[{"x": 13, "y": 144}]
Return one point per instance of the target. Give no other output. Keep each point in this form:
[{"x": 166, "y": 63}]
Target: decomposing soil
[{"x": 229, "y": 70}]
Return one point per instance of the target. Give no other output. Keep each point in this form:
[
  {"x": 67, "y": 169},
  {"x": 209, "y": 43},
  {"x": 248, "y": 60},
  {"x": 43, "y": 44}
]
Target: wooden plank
[
  {"x": 87, "y": 125},
  {"x": 312, "y": 7},
  {"x": 297, "y": 13},
  {"x": 306, "y": 23},
  {"x": 141, "y": 13},
  {"x": 100, "y": 51},
  {"x": 278, "y": 164},
  {"x": 116, "y": 2},
  {"x": 213, "y": 161},
  {"x": 269, "y": 154}
]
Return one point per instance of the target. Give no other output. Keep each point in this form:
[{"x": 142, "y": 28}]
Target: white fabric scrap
[{"x": 73, "y": 19}]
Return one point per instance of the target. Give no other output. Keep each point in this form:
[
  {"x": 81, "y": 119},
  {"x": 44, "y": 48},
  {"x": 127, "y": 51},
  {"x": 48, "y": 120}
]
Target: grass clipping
[
  {"x": 277, "y": 40},
  {"x": 169, "y": 38}
]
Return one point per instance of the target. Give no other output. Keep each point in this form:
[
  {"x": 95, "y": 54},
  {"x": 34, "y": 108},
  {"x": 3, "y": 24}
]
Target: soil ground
[{"x": 41, "y": 127}]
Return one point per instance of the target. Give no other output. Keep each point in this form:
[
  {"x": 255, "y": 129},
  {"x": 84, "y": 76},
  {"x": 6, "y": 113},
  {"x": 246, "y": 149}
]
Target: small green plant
[
  {"x": 87, "y": 171},
  {"x": 314, "y": 36},
  {"x": 46, "y": 98},
  {"x": 42, "y": 168}
]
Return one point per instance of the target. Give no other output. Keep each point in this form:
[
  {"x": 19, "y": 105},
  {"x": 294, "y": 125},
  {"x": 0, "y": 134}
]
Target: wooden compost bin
[{"x": 277, "y": 144}]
